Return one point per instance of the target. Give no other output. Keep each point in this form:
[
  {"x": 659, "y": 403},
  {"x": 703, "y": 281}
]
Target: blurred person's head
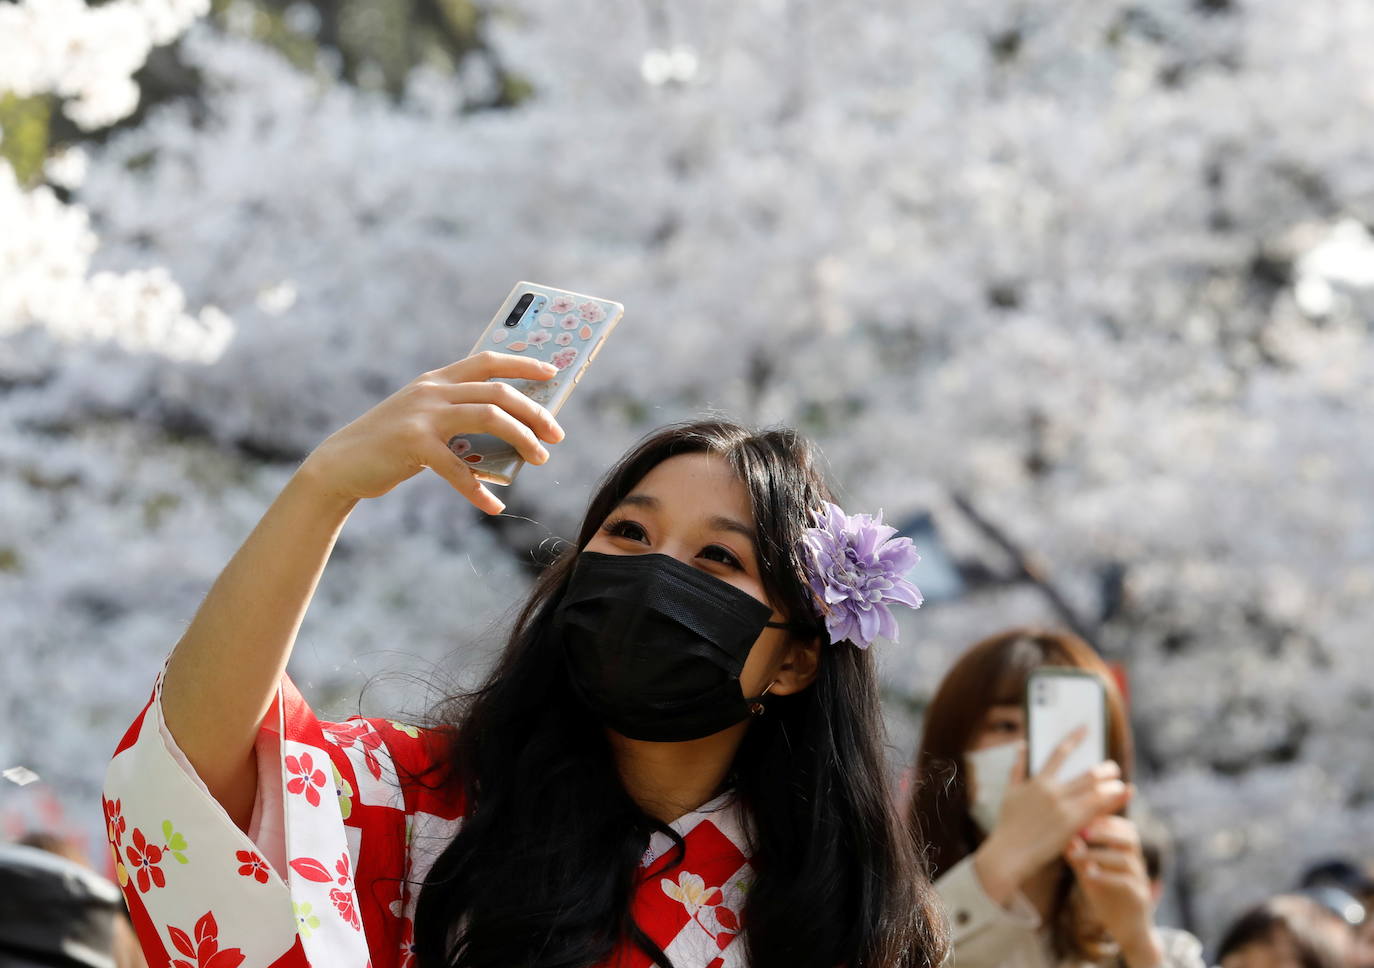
[
  {"x": 124, "y": 944},
  {"x": 1347, "y": 889},
  {"x": 55, "y": 844},
  {"x": 1341, "y": 873},
  {"x": 1288, "y": 931},
  {"x": 55, "y": 912},
  {"x": 979, "y": 706}
]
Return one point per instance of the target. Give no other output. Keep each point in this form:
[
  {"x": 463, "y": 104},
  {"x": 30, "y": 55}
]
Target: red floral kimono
[{"x": 322, "y": 877}]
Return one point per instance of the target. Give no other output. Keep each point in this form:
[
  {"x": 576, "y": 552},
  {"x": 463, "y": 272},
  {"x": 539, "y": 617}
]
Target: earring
[{"x": 756, "y": 706}]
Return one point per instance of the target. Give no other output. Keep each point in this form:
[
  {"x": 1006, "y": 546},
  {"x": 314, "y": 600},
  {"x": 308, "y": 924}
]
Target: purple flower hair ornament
[{"x": 856, "y": 568}]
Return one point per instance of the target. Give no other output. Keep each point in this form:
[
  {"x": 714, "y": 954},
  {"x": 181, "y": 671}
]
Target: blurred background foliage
[
  {"x": 1080, "y": 293},
  {"x": 371, "y": 43}
]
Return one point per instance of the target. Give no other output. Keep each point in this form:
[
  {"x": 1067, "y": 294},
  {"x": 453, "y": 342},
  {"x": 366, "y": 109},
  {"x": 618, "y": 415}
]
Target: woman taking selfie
[
  {"x": 1033, "y": 871},
  {"x": 676, "y": 761}
]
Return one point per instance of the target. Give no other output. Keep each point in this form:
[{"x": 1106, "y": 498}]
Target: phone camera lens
[{"x": 515, "y": 314}]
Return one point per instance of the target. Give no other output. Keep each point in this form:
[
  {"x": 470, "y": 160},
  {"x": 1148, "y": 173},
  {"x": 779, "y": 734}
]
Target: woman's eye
[
  {"x": 717, "y": 553},
  {"x": 626, "y": 529},
  {"x": 1004, "y": 726}
]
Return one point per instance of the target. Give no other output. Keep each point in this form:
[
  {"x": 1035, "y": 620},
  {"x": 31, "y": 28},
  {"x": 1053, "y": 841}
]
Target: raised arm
[{"x": 224, "y": 672}]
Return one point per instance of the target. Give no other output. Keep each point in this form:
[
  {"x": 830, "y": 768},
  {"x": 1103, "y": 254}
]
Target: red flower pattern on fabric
[
  {"x": 343, "y": 903},
  {"x": 144, "y": 859},
  {"x": 342, "y": 896},
  {"x": 115, "y": 825},
  {"x": 697, "y": 921},
  {"x": 726, "y": 923},
  {"x": 362, "y": 736},
  {"x": 311, "y": 870},
  {"x": 251, "y": 865},
  {"x": 205, "y": 948},
  {"x": 407, "y": 944},
  {"x": 306, "y": 778}
]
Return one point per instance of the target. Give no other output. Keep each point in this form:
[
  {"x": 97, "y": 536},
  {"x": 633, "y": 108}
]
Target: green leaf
[
  {"x": 181, "y": 858},
  {"x": 24, "y": 124},
  {"x": 175, "y": 841}
]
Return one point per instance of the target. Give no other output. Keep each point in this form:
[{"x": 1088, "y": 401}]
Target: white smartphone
[
  {"x": 560, "y": 327},
  {"x": 1060, "y": 699}
]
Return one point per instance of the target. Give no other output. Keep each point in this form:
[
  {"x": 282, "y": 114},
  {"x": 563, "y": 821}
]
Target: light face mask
[
  {"x": 989, "y": 770},
  {"x": 654, "y": 647}
]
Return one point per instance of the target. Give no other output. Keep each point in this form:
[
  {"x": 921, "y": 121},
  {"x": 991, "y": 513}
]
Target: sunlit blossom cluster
[
  {"x": 86, "y": 54},
  {"x": 45, "y": 268}
]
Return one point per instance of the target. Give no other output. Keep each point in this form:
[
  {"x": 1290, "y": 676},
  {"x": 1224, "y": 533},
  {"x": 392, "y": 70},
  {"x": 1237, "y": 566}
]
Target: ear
[{"x": 801, "y": 661}]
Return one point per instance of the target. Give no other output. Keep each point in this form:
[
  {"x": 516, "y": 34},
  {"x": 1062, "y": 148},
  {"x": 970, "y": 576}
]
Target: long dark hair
[
  {"x": 993, "y": 672},
  {"x": 542, "y": 871}
]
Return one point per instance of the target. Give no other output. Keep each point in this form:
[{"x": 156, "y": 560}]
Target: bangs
[
  {"x": 1010, "y": 688},
  {"x": 1021, "y": 657}
]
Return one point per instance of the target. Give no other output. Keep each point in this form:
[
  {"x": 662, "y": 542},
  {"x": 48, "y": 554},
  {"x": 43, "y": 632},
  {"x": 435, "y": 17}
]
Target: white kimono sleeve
[{"x": 199, "y": 888}]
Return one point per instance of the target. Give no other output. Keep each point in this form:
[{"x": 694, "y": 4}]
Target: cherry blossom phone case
[{"x": 564, "y": 328}]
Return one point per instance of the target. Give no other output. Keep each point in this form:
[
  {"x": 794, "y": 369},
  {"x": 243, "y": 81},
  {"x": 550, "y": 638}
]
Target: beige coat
[{"x": 987, "y": 935}]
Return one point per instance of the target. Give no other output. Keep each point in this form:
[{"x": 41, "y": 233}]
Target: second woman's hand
[
  {"x": 1040, "y": 815},
  {"x": 1110, "y": 869},
  {"x": 410, "y": 430}
]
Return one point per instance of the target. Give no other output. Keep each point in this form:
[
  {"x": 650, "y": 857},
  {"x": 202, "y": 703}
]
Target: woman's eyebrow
[
  {"x": 722, "y": 523},
  {"x": 640, "y": 500}
]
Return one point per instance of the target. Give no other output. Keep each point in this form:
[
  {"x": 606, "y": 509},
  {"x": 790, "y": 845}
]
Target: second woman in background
[{"x": 1034, "y": 871}]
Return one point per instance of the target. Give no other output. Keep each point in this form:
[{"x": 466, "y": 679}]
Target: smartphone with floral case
[{"x": 564, "y": 328}]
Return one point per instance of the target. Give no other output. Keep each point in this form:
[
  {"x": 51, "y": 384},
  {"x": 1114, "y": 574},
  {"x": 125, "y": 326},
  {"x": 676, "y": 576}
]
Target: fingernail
[{"x": 543, "y": 455}]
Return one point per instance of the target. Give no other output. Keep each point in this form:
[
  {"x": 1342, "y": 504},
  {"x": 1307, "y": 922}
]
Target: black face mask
[{"x": 654, "y": 647}]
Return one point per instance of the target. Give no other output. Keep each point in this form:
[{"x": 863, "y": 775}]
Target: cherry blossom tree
[{"x": 1100, "y": 271}]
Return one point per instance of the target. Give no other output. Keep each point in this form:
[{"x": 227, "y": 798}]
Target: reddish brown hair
[{"x": 993, "y": 672}]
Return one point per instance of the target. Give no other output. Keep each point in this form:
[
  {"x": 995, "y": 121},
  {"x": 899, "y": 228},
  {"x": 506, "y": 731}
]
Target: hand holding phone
[
  {"x": 406, "y": 432},
  {"x": 563, "y": 328},
  {"x": 1062, "y": 781}
]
